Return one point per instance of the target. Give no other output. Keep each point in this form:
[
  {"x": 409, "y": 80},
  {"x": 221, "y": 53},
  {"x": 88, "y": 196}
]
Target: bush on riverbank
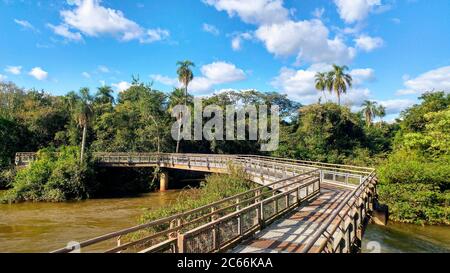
[
  {"x": 55, "y": 176},
  {"x": 214, "y": 188},
  {"x": 415, "y": 179},
  {"x": 415, "y": 189}
]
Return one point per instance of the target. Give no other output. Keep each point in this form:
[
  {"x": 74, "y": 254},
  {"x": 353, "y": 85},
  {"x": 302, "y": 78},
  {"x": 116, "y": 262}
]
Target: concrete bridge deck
[{"x": 300, "y": 206}]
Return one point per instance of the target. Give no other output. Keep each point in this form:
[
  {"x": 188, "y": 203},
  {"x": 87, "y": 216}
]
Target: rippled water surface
[{"x": 407, "y": 238}]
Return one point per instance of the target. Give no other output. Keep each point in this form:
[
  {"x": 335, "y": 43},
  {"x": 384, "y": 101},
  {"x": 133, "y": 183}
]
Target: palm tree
[
  {"x": 83, "y": 114},
  {"x": 381, "y": 112},
  {"x": 339, "y": 81},
  {"x": 321, "y": 82},
  {"x": 104, "y": 95},
  {"x": 370, "y": 109},
  {"x": 185, "y": 76}
]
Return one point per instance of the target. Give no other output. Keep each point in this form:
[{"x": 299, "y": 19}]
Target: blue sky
[{"x": 395, "y": 49}]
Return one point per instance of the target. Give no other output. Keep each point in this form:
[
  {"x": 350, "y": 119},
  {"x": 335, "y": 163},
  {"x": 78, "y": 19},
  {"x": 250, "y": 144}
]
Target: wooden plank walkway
[{"x": 293, "y": 232}]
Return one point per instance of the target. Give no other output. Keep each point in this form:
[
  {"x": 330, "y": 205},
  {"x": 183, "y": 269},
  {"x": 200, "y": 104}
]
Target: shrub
[
  {"x": 416, "y": 203},
  {"x": 56, "y": 175},
  {"x": 214, "y": 188},
  {"x": 409, "y": 167}
]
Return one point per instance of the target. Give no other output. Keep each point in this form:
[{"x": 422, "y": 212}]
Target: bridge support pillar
[{"x": 163, "y": 180}]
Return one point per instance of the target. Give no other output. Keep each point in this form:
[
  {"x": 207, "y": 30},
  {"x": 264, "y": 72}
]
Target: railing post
[
  {"x": 216, "y": 238},
  {"x": 239, "y": 217},
  {"x": 181, "y": 243},
  {"x": 261, "y": 214}
]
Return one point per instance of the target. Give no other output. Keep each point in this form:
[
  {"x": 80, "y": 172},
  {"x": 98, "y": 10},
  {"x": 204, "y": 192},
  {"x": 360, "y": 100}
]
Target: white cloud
[
  {"x": 86, "y": 75},
  {"x": 38, "y": 73},
  {"x": 236, "y": 41},
  {"x": 3, "y": 77},
  {"x": 222, "y": 72},
  {"x": 165, "y": 80},
  {"x": 300, "y": 85},
  {"x": 103, "y": 69},
  {"x": 15, "y": 70},
  {"x": 308, "y": 39},
  {"x": 92, "y": 19},
  {"x": 201, "y": 85},
  {"x": 253, "y": 12},
  {"x": 216, "y": 73},
  {"x": 362, "y": 75},
  {"x": 25, "y": 24},
  {"x": 154, "y": 35},
  {"x": 212, "y": 74},
  {"x": 318, "y": 12},
  {"x": 396, "y": 106},
  {"x": 210, "y": 29},
  {"x": 396, "y": 20},
  {"x": 368, "y": 43},
  {"x": 63, "y": 30},
  {"x": 436, "y": 79},
  {"x": 121, "y": 86},
  {"x": 355, "y": 10},
  {"x": 354, "y": 96},
  {"x": 297, "y": 84}
]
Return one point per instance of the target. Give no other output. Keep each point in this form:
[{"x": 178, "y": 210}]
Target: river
[
  {"x": 41, "y": 227},
  {"x": 406, "y": 238}
]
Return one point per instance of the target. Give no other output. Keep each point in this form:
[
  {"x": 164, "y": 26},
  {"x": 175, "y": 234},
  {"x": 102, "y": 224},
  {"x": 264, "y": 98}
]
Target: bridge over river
[{"x": 298, "y": 206}]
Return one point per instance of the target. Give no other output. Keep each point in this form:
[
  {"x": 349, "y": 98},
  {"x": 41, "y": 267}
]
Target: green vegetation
[
  {"x": 415, "y": 179},
  {"x": 411, "y": 154},
  {"x": 214, "y": 188},
  {"x": 56, "y": 176}
]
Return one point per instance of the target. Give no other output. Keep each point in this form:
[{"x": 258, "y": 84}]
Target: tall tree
[
  {"x": 339, "y": 81},
  {"x": 185, "y": 76},
  {"x": 370, "y": 109},
  {"x": 84, "y": 112},
  {"x": 321, "y": 82},
  {"x": 381, "y": 112},
  {"x": 104, "y": 95}
]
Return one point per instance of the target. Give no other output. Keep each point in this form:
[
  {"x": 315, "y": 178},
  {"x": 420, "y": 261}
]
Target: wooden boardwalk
[{"x": 293, "y": 232}]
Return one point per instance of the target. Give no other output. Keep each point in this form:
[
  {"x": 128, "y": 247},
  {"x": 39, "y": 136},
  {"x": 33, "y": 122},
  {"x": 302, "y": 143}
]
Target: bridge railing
[
  {"x": 343, "y": 228},
  {"x": 164, "y": 235},
  {"x": 227, "y": 231},
  {"x": 337, "y": 173},
  {"x": 271, "y": 167},
  {"x": 25, "y": 158}
]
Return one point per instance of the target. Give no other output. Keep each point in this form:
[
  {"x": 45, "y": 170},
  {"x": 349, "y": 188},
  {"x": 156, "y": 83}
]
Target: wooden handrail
[{"x": 349, "y": 201}]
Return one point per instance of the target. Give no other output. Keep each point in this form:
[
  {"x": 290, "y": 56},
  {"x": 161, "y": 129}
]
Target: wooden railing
[
  {"x": 342, "y": 231},
  {"x": 260, "y": 205}
]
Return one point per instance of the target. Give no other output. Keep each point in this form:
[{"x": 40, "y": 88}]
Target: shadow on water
[{"x": 407, "y": 238}]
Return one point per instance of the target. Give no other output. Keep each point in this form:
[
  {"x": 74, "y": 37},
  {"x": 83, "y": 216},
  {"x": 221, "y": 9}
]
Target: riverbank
[{"x": 42, "y": 227}]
